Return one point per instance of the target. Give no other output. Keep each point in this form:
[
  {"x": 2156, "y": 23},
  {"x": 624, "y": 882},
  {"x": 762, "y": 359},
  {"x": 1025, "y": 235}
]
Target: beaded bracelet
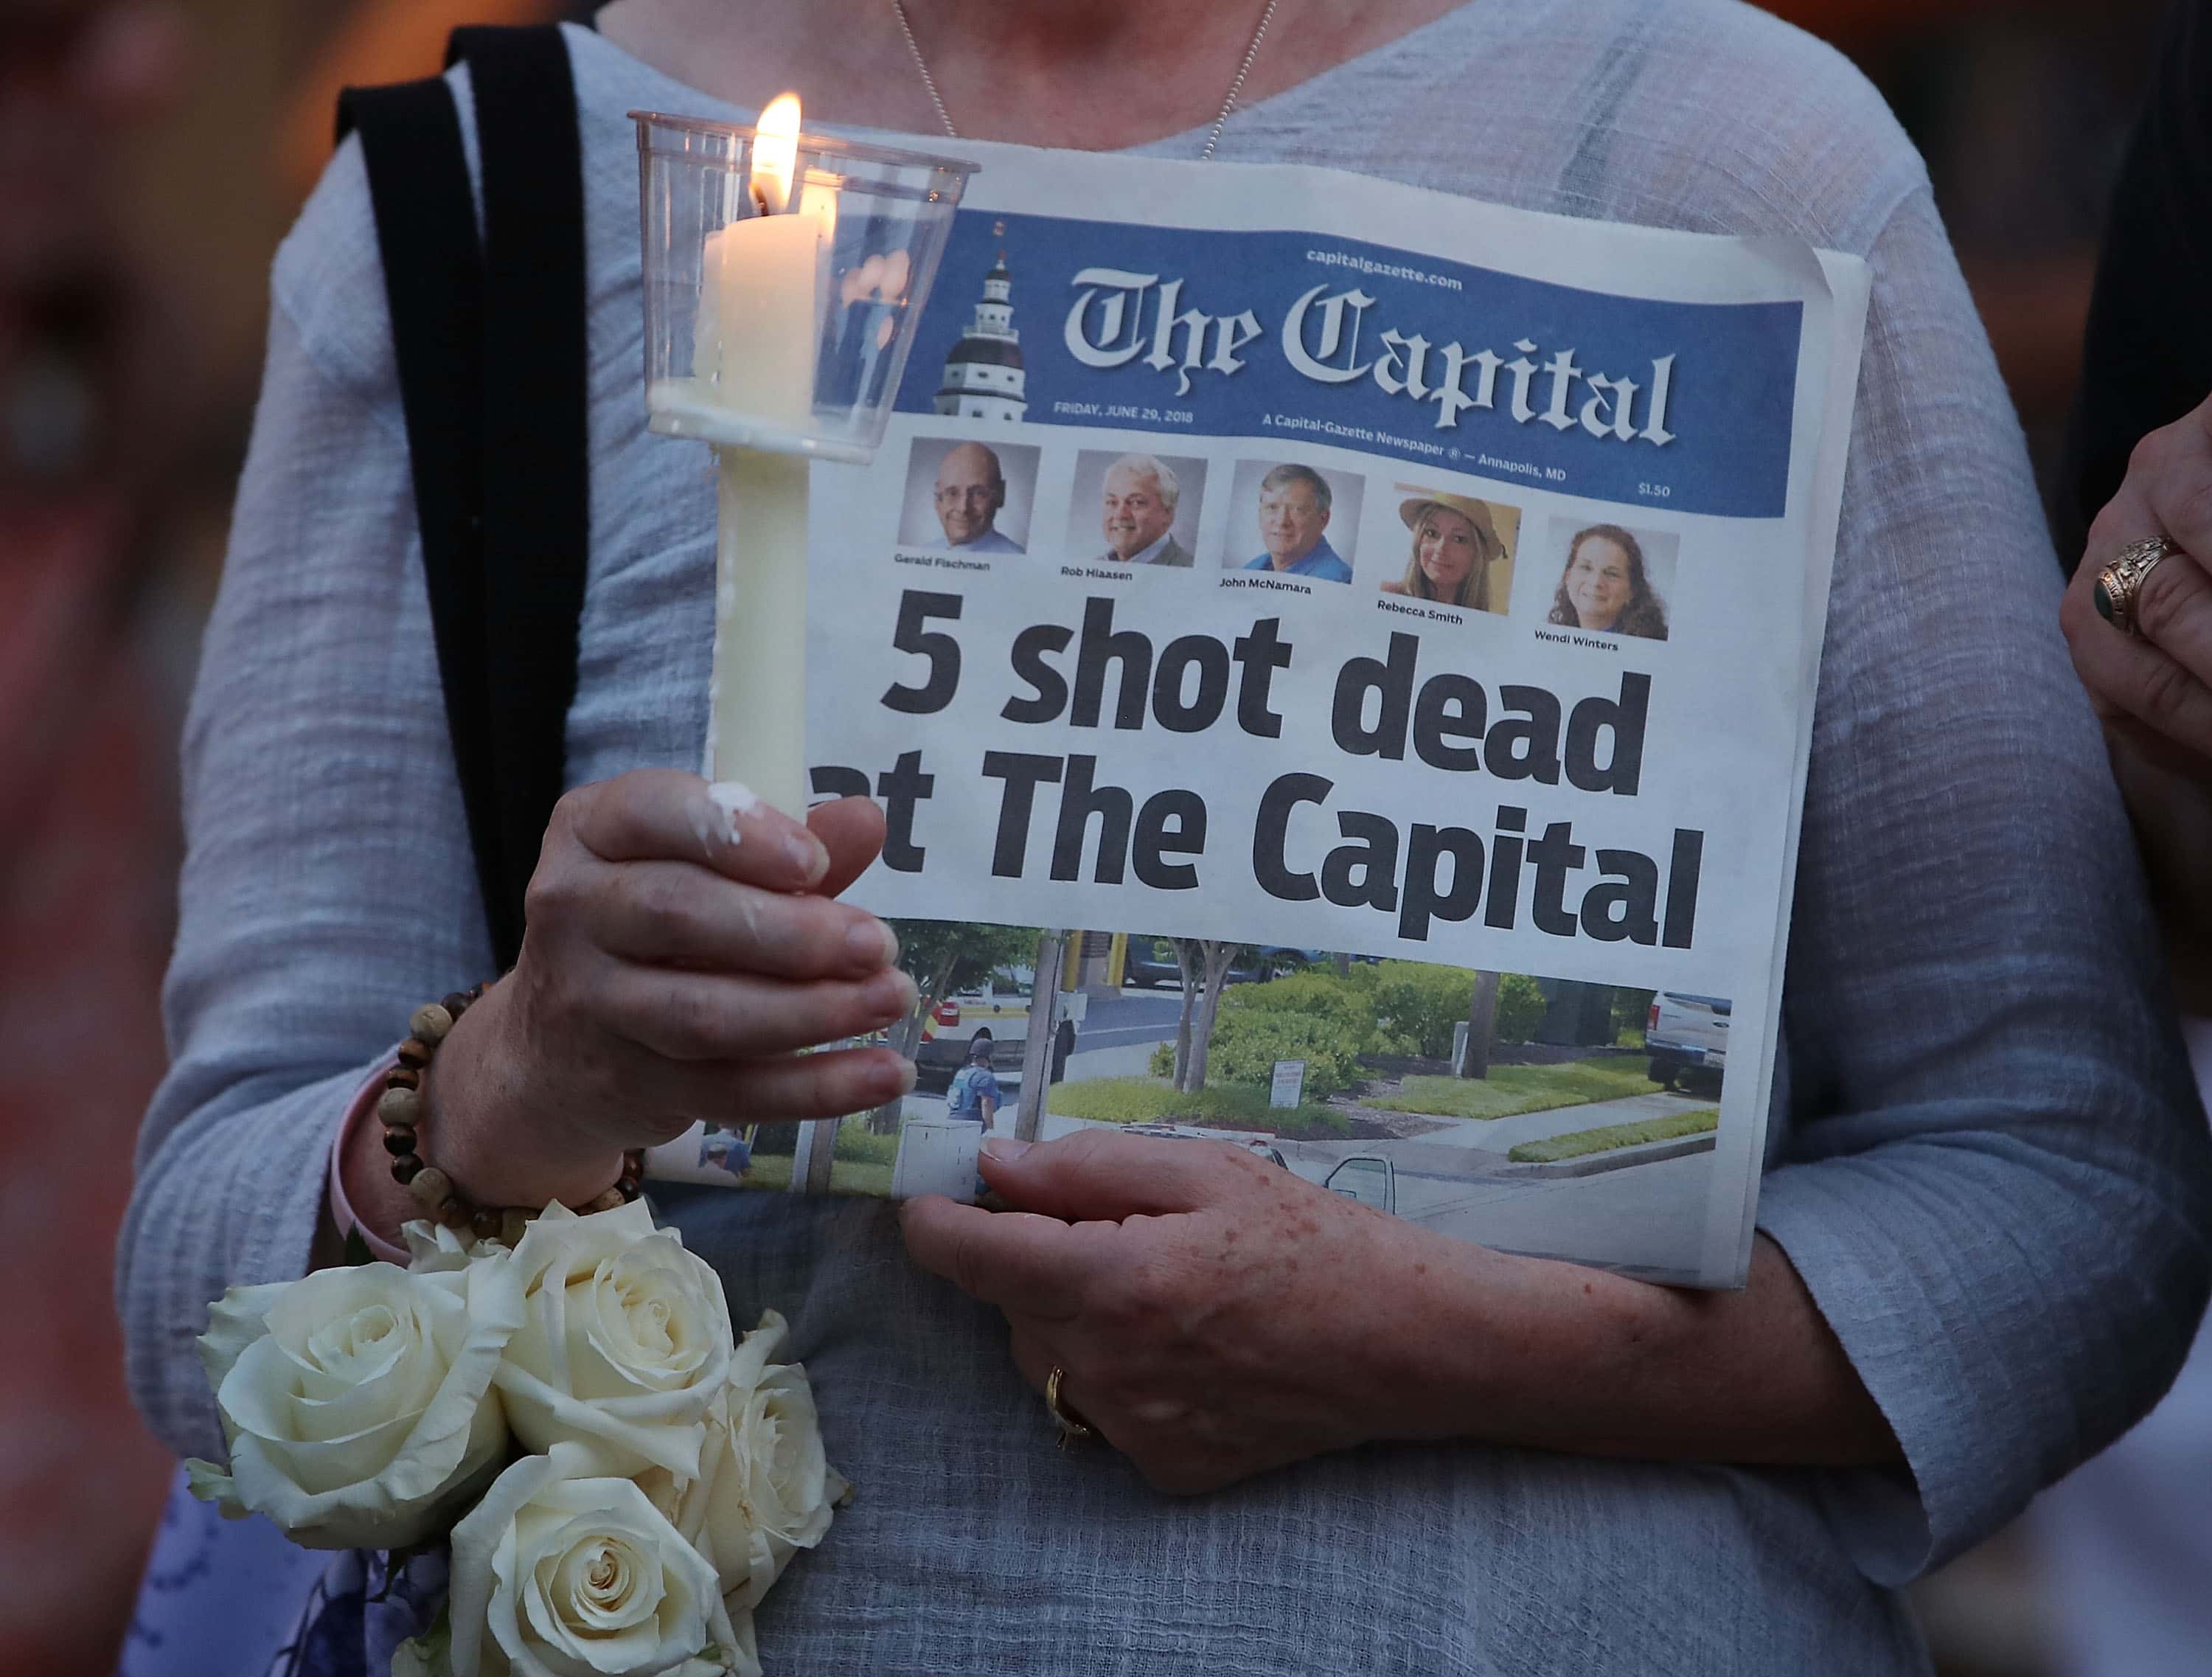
[{"x": 399, "y": 1109}]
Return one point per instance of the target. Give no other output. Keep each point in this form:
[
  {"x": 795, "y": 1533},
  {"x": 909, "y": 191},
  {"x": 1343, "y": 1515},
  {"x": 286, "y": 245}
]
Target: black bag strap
[{"x": 489, "y": 339}]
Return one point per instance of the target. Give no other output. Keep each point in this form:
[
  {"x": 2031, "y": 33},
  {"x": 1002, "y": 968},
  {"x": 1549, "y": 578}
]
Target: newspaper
[{"x": 1338, "y": 660}]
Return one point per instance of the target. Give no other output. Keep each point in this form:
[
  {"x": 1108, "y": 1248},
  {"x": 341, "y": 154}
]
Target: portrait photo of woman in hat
[{"x": 1456, "y": 541}]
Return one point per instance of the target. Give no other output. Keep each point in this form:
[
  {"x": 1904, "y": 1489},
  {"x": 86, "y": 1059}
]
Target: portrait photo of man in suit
[
  {"x": 1145, "y": 507},
  {"x": 1137, "y": 514}
]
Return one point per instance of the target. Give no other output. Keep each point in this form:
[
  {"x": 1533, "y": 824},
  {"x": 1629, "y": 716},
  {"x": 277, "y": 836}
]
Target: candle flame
[{"x": 775, "y": 152}]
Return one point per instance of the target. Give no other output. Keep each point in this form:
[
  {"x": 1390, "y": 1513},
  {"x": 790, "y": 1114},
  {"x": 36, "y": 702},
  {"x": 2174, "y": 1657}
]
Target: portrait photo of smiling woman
[
  {"x": 1613, "y": 580},
  {"x": 1462, "y": 549}
]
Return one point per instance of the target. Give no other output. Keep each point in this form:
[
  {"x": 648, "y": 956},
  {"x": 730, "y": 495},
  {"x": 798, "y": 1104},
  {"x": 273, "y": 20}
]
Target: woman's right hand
[{"x": 677, "y": 958}]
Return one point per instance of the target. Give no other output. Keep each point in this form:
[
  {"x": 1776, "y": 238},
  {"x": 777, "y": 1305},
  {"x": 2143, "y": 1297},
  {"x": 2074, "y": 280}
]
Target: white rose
[
  {"x": 432, "y": 1247},
  {"x": 562, "y": 1570},
  {"x": 764, "y": 1489},
  {"x": 625, "y": 1343},
  {"x": 359, "y": 1402}
]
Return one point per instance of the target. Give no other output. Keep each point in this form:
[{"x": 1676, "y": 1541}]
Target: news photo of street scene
[{"x": 1529, "y": 1113}]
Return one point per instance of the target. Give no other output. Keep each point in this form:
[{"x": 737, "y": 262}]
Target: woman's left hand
[
  {"x": 1214, "y": 1315},
  {"x": 2153, "y": 687}
]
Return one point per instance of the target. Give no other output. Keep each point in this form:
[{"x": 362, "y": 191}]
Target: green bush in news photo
[{"x": 1442, "y": 1094}]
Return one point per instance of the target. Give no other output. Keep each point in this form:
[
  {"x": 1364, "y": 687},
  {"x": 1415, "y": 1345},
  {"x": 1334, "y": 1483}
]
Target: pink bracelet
[{"x": 342, "y": 1211}]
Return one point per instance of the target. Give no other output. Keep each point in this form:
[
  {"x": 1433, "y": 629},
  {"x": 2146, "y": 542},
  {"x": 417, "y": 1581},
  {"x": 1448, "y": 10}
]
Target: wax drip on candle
[
  {"x": 715, "y": 818},
  {"x": 734, "y": 798}
]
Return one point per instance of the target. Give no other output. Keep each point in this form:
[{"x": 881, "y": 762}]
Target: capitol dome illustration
[{"x": 983, "y": 376}]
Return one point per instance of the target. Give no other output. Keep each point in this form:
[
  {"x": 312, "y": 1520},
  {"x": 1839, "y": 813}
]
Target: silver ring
[{"x": 2120, "y": 585}]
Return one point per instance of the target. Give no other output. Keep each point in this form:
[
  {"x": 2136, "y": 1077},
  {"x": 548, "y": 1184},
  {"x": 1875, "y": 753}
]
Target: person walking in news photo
[
  {"x": 971, "y": 488},
  {"x": 1603, "y": 586},
  {"x": 727, "y": 1149},
  {"x": 974, "y": 1092},
  {"x": 1454, "y": 541},
  {"x": 1293, "y": 525},
  {"x": 1137, "y": 514}
]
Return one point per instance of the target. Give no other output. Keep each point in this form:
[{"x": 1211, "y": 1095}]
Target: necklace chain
[{"x": 1212, "y": 138}]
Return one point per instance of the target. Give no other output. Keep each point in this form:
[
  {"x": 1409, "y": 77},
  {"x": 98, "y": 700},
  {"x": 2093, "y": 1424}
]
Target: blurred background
[{"x": 152, "y": 153}]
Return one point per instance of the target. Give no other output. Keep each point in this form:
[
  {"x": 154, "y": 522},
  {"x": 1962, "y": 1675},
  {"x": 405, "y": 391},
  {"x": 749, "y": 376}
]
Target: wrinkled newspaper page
[{"x": 1338, "y": 660}]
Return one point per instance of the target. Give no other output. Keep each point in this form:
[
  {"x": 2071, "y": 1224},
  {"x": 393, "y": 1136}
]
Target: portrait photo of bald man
[
  {"x": 1135, "y": 509},
  {"x": 969, "y": 497}
]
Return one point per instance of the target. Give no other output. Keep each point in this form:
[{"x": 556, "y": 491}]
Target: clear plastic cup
[{"x": 766, "y": 333}]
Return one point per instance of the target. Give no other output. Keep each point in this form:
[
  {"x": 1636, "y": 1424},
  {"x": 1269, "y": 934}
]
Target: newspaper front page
[{"x": 1338, "y": 660}]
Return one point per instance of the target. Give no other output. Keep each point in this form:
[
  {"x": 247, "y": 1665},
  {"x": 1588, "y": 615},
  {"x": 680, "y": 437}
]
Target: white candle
[
  {"x": 760, "y": 318},
  {"x": 759, "y": 327},
  {"x": 756, "y": 714}
]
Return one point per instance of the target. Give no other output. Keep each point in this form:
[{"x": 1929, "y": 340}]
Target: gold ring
[
  {"x": 1073, "y": 1429},
  {"x": 2120, "y": 583}
]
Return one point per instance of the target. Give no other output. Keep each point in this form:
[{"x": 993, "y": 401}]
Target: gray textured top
[{"x": 1988, "y": 1162}]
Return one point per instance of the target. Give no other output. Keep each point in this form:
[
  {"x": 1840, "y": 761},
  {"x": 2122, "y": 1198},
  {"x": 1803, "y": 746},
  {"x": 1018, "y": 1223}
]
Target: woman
[
  {"x": 1454, "y": 541},
  {"x": 1603, "y": 586},
  {"x": 1982, "y": 1242},
  {"x": 2126, "y": 1551}
]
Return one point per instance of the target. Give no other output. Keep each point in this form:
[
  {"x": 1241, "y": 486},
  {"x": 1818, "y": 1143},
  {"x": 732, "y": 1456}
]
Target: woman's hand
[
  {"x": 1210, "y": 1309},
  {"x": 678, "y": 956},
  {"x": 1215, "y": 1317},
  {"x": 2153, "y": 690},
  {"x": 2155, "y": 687}
]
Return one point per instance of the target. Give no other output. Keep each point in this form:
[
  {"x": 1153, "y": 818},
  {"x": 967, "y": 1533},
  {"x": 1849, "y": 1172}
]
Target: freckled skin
[
  {"x": 1197, "y": 1341},
  {"x": 1205, "y": 1361}
]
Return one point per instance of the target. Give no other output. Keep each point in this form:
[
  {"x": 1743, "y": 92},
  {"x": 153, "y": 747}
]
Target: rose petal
[
  {"x": 432, "y": 1248},
  {"x": 758, "y": 1349},
  {"x": 210, "y": 1483},
  {"x": 483, "y": 1541},
  {"x": 632, "y": 1434},
  {"x": 331, "y": 1464},
  {"x": 743, "y": 1646},
  {"x": 257, "y": 1395},
  {"x": 235, "y": 1321},
  {"x": 328, "y": 1295}
]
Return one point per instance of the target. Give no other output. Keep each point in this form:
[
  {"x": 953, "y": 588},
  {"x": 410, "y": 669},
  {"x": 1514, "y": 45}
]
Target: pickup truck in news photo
[
  {"x": 1000, "y": 1005},
  {"x": 1687, "y": 1037}
]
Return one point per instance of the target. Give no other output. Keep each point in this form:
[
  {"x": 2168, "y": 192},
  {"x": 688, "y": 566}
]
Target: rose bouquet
[{"x": 621, "y": 1478}]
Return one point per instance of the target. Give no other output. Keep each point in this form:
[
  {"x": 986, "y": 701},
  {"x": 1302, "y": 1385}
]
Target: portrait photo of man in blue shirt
[{"x": 1294, "y": 508}]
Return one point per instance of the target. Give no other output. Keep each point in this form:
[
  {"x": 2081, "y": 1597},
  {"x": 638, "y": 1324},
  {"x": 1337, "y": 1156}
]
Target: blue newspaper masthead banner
[{"x": 1294, "y": 337}]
